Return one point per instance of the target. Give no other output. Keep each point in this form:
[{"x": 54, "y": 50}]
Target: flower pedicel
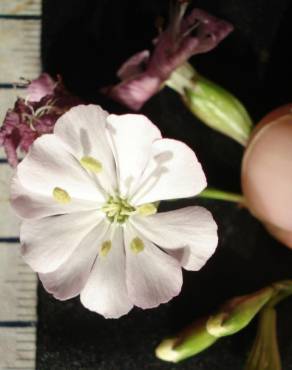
[{"x": 88, "y": 193}]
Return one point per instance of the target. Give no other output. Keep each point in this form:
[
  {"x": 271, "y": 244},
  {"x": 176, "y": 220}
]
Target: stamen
[
  {"x": 105, "y": 248},
  {"x": 91, "y": 164},
  {"x": 191, "y": 29},
  {"x": 42, "y": 110},
  {"x": 137, "y": 245},
  {"x": 61, "y": 196},
  {"x": 147, "y": 209},
  {"x": 118, "y": 209}
]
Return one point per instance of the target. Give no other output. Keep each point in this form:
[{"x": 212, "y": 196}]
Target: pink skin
[
  {"x": 267, "y": 176},
  {"x": 284, "y": 236}
]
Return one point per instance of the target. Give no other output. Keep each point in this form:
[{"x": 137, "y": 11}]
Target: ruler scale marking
[
  {"x": 20, "y": 7},
  {"x": 20, "y": 29}
]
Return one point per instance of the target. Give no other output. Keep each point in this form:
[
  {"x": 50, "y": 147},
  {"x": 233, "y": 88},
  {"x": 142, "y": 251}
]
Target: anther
[
  {"x": 105, "y": 248},
  {"x": 137, "y": 245},
  {"x": 147, "y": 209},
  {"x": 61, "y": 196},
  {"x": 91, "y": 164}
]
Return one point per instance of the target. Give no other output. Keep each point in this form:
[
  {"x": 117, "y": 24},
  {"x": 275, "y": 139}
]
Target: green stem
[
  {"x": 283, "y": 289},
  {"x": 265, "y": 352},
  {"x": 212, "y": 193}
]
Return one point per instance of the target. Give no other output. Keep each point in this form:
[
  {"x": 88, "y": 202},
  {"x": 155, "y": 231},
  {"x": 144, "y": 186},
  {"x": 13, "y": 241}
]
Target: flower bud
[
  {"x": 237, "y": 313},
  {"x": 233, "y": 316},
  {"x": 212, "y": 104},
  {"x": 189, "y": 342}
]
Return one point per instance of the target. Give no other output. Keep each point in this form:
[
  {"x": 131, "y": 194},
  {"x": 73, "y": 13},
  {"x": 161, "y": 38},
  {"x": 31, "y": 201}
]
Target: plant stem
[
  {"x": 283, "y": 289},
  {"x": 265, "y": 351},
  {"x": 212, "y": 193}
]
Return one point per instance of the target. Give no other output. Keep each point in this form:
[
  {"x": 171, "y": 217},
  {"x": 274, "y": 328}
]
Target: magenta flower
[
  {"x": 143, "y": 74},
  {"x": 35, "y": 115}
]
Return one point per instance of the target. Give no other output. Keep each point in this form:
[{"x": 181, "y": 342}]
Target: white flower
[{"x": 88, "y": 196}]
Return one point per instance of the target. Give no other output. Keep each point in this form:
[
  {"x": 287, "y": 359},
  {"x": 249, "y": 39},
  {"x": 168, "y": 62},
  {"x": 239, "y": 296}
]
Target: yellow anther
[
  {"x": 137, "y": 245},
  {"x": 105, "y": 248},
  {"x": 147, "y": 209},
  {"x": 91, "y": 164},
  {"x": 61, "y": 196}
]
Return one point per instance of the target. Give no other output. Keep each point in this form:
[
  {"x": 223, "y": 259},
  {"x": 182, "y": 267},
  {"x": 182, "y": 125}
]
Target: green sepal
[
  {"x": 238, "y": 312},
  {"x": 211, "y": 103},
  {"x": 189, "y": 342}
]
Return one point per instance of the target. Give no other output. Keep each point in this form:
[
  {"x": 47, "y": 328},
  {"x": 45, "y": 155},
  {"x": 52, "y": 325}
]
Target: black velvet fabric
[{"x": 86, "y": 41}]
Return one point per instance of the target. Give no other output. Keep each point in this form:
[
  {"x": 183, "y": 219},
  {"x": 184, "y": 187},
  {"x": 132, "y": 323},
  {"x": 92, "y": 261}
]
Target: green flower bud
[
  {"x": 232, "y": 317},
  {"x": 188, "y": 343},
  {"x": 237, "y": 313},
  {"x": 212, "y": 104},
  {"x": 265, "y": 352}
]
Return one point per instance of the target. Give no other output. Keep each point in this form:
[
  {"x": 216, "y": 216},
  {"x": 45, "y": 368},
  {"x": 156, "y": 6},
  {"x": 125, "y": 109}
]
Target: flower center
[{"x": 118, "y": 209}]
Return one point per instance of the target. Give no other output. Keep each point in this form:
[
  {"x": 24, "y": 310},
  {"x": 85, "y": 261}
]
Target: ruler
[{"x": 20, "y": 28}]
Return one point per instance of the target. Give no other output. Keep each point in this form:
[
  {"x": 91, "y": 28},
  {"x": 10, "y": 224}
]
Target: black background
[{"x": 86, "y": 41}]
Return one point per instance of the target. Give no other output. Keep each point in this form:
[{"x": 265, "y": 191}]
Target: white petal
[
  {"x": 132, "y": 137},
  {"x": 82, "y": 130},
  {"x": 28, "y": 204},
  {"x": 173, "y": 172},
  {"x": 105, "y": 291},
  {"x": 153, "y": 277},
  {"x": 69, "y": 279},
  {"x": 190, "y": 234},
  {"x": 49, "y": 165},
  {"x": 48, "y": 242}
]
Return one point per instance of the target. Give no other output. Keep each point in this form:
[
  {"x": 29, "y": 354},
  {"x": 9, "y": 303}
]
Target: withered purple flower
[
  {"x": 143, "y": 74},
  {"x": 35, "y": 115},
  {"x": 42, "y": 86}
]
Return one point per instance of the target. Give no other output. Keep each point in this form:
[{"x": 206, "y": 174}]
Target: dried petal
[
  {"x": 40, "y": 87},
  {"x": 34, "y": 116},
  {"x": 143, "y": 75}
]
